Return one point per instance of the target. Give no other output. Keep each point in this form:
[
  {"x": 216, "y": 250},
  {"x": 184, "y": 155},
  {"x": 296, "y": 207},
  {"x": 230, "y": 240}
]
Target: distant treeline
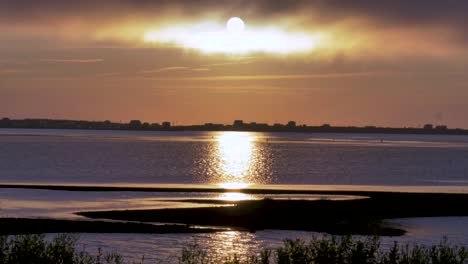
[{"x": 238, "y": 125}]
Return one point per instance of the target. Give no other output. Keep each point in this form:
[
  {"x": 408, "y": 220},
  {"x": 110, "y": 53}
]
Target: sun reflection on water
[
  {"x": 230, "y": 243},
  {"x": 234, "y": 196},
  {"x": 233, "y": 185},
  {"x": 235, "y": 158}
]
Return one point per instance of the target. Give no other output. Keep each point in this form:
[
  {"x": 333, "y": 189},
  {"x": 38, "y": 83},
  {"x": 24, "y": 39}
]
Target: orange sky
[{"x": 386, "y": 63}]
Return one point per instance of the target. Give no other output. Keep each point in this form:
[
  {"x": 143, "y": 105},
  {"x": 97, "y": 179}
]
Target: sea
[{"x": 231, "y": 160}]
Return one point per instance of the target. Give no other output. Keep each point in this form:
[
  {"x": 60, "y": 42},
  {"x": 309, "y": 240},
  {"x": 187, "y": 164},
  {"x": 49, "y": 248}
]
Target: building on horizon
[
  {"x": 134, "y": 124},
  {"x": 292, "y": 124},
  {"x": 428, "y": 126},
  {"x": 238, "y": 123}
]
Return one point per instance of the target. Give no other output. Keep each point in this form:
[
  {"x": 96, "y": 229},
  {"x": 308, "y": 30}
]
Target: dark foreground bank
[
  {"x": 28, "y": 249},
  {"x": 365, "y": 215},
  {"x": 361, "y": 216},
  {"x": 183, "y": 188},
  {"x": 35, "y": 226}
]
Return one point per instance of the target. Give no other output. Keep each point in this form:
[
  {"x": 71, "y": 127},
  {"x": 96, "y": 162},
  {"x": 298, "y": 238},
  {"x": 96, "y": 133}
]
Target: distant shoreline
[{"x": 238, "y": 125}]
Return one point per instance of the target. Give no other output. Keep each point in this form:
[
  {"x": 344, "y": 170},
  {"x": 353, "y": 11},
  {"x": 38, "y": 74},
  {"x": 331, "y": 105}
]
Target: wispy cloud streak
[
  {"x": 274, "y": 77},
  {"x": 73, "y": 60},
  {"x": 9, "y": 71},
  {"x": 166, "y": 69}
]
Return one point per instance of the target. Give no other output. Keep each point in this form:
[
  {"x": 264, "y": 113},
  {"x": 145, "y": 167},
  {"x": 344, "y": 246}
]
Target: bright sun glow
[
  {"x": 235, "y": 25},
  {"x": 234, "y": 38}
]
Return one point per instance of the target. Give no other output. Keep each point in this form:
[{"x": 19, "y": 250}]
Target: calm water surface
[
  {"x": 227, "y": 159},
  {"x": 423, "y": 231},
  {"x": 110, "y": 157}
]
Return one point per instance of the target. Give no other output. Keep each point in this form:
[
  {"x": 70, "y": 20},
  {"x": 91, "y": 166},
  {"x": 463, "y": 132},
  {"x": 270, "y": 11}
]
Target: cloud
[
  {"x": 109, "y": 74},
  {"x": 401, "y": 11},
  {"x": 178, "y": 68},
  {"x": 9, "y": 71},
  {"x": 421, "y": 27},
  {"x": 240, "y": 61},
  {"x": 73, "y": 60},
  {"x": 203, "y": 69},
  {"x": 276, "y": 76},
  {"x": 166, "y": 69},
  {"x": 393, "y": 11}
]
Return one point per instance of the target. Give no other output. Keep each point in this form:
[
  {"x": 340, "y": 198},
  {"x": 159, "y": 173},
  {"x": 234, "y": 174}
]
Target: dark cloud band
[{"x": 393, "y": 10}]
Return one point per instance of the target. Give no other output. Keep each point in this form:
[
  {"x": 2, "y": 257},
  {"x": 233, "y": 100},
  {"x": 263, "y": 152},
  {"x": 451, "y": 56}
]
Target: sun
[{"x": 235, "y": 25}]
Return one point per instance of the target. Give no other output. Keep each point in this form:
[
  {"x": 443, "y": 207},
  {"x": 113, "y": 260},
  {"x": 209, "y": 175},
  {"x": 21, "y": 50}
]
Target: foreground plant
[
  {"x": 35, "y": 249},
  {"x": 62, "y": 249},
  {"x": 336, "y": 250}
]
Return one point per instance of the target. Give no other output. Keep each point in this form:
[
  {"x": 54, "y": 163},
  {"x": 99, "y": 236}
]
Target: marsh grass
[
  {"x": 337, "y": 250},
  {"x": 62, "y": 249},
  {"x": 35, "y": 249}
]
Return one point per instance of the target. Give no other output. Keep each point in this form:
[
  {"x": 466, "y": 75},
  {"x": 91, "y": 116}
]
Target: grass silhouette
[
  {"x": 337, "y": 250},
  {"x": 62, "y": 249}
]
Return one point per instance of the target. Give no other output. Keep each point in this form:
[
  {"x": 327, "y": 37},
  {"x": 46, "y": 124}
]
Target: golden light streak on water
[
  {"x": 232, "y": 243},
  {"x": 234, "y": 196},
  {"x": 235, "y": 157},
  {"x": 233, "y": 185}
]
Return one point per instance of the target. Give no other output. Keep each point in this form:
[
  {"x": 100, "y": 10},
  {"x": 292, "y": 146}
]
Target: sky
[{"x": 362, "y": 62}]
